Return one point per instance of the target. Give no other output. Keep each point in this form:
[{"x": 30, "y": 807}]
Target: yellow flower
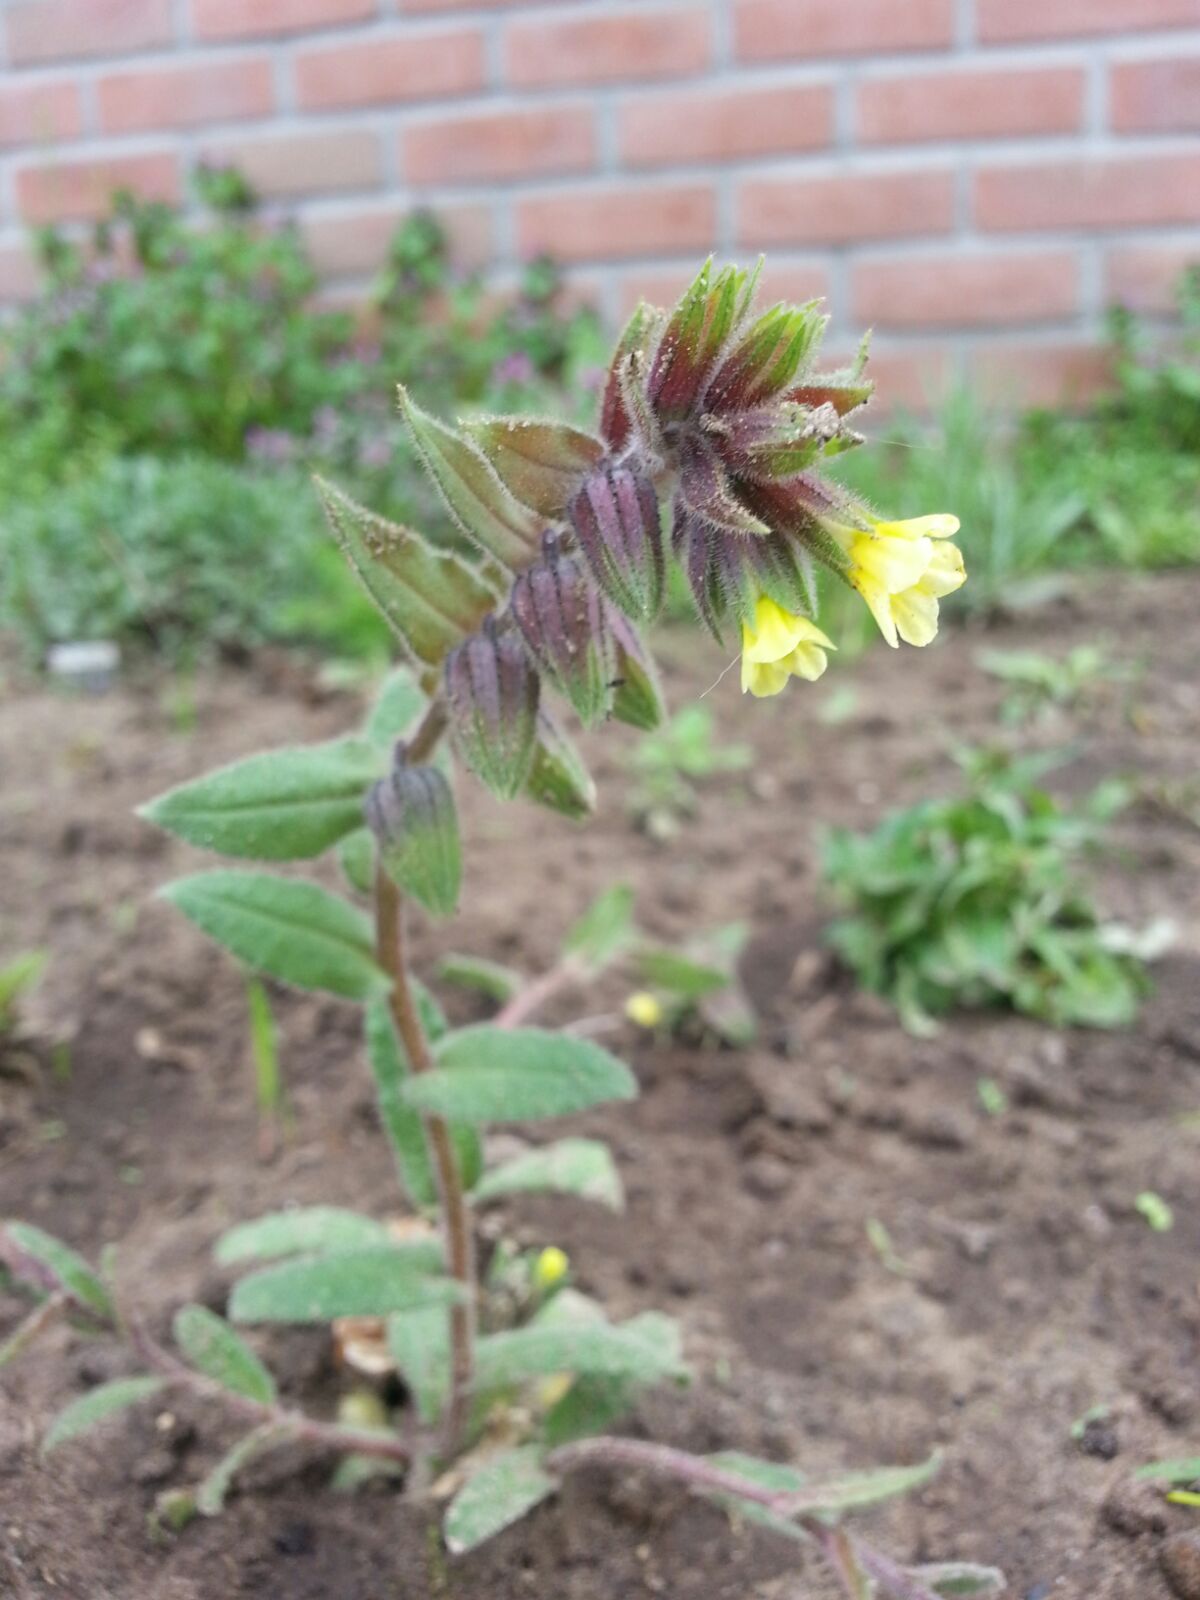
[
  {"x": 551, "y": 1267},
  {"x": 644, "y": 1008},
  {"x": 902, "y": 569},
  {"x": 776, "y": 646}
]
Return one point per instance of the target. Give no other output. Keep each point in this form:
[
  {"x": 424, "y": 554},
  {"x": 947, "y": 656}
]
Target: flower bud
[
  {"x": 638, "y": 697},
  {"x": 411, "y": 813},
  {"x": 615, "y": 517},
  {"x": 492, "y": 691},
  {"x": 561, "y": 616}
]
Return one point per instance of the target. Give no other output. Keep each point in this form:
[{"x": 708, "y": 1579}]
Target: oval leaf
[
  {"x": 398, "y": 703},
  {"x": 571, "y": 1166},
  {"x": 213, "y": 1348},
  {"x": 592, "y": 1349},
  {"x": 604, "y": 930},
  {"x": 68, "y": 1269},
  {"x": 960, "y": 1578},
  {"x": 489, "y": 1074},
  {"x": 307, "y": 1230},
  {"x": 496, "y": 1496},
  {"x": 103, "y": 1401},
  {"x": 293, "y": 930},
  {"x": 357, "y": 1283},
  {"x": 419, "y": 1344},
  {"x": 280, "y": 805},
  {"x": 540, "y": 462}
]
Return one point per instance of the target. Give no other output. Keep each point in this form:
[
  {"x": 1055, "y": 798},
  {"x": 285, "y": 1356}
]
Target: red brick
[
  {"x": 261, "y": 19},
  {"x": 613, "y": 223},
  {"x": 968, "y": 103},
  {"x": 460, "y": 5},
  {"x": 774, "y": 30},
  {"x": 19, "y": 275},
  {"x": 662, "y": 286},
  {"x": 501, "y": 144},
  {"x": 82, "y": 190},
  {"x": 670, "y": 43},
  {"x": 1125, "y": 192},
  {"x": 1145, "y": 276},
  {"x": 38, "y": 113},
  {"x": 965, "y": 291},
  {"x": 186, "y": 95},
  {"x": 1017, "y": 375},
  {"x": 351, "y": 244},
  {"x": 303, "y": 163},
  {"x": 1157, "y": 96},
  {"x": 725, "y": 126},
  {"x": 60, "y": 30},
  {"x": 383, "y": 71},
  {"x": 1001, "y": 21},
  {"x": 844, "y": 207}
]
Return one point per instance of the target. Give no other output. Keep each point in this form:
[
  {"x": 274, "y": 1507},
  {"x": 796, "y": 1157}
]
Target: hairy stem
[
  {"x": 536, "y": 994},
  {"x": 391, "y": 952},
  {"x": 700, "y": 1474},
  {"x": 292, "y": 1424},
  {"x": 40, "y": 1317},
  {"x": 429, "y": 730}
]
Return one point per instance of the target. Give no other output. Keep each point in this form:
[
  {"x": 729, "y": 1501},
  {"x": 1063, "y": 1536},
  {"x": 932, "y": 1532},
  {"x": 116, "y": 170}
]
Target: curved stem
[
  {"x": 429, "y": 730},
  {"x": 536, "y": 994},
  {"x": 391, "y": 951}
]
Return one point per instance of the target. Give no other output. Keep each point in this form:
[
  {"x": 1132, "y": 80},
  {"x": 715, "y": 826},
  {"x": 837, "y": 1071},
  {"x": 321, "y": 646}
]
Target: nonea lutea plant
[{"x": 713, "y": 426}]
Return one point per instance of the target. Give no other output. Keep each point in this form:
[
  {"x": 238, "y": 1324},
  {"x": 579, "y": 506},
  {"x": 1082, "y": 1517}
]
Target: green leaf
[
  {"x": 489, "y": 978},
  {"x": 593, "y": 1349},
  {"x": 103, "y": 1401},
  {"x": 69, "y": 1270},
  {"x": 590, "y": 1406},
  {"x": 858, "y": 1489},
  {"x": 356, "y": 857},
  {"x": 432, "y": 598},
  {"x": 307, "y": 1230},
  {"x": 771, "y": 1475},
  {"x": 264, "y": 1047},
  {"x": 604, "y": 930},
  {"x": 497, "y": 1495},
  {"x": 419, "y": 1344},
  {"x": 496, "y": 523},
  {"x": 952, "y": 1578},
  {"x": 16, "y": 976},
  {"x": 293, "y": 930},
  {"x": 571, "y": 1166},
  {"x": 212, "y": 1347},
  {"x": 398, "y": 704},
  {"x": 489, "y": 1074},
  {"x": 542, "y": 463},
  {"x": 280, "y": 805},
  {"x": 558, "y": 778},
  {"x": 1184, "y": 1470},
  {"x": 690, "y": 980},
  {"x": 212, "y": 1493},
  {"x": 401, "y": 1123},
  {"x": 369, "y": 1282}
]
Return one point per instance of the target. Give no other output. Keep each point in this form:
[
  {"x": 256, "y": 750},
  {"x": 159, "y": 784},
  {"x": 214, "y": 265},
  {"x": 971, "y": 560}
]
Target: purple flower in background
[
  {"x": 376, "y": 452},
  {"x": 515, "y": 368},
  {"x": 274, "y": 445}
]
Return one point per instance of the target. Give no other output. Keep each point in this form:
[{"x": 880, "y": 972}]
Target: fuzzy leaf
[
  {"x": 356, "y": 857},
  {"x": 280, "y": 805},
  {"x": 68, "y": 1270},
  {"x": 636, "y": 338},
  {"x": 570, "y": 1166},
  {"x": 953, "y": 1578},
  {"x": 488, "y": 978},
  {"x": 103, "y": 1401},
  {"x": 496, "y": 1495},
  {"x": 604, "y": 930},
  {"x": 289, "y": 1233},
  {"x": 488, "y": 1074},
  {"x": 433, "y": 599},
  {"x": 212, "y": 1347},
  {"x": 693, "y": 339},
  {"x": 844, "y": 397},
  {"x": 858, "y": 1489},
  {"x": 400, "y": 700},
  {"x": 1184, "y": 1470},
  {"x": 293, "y": 930},
  {"x": 638, "y": 698},
  {"x": 705, "y": 491},
  {"x": 212, "y": 1493},
  {"x": 419, "y": 1344},
  {"x": 540, "y": 462},
  {"x": 595, "y": 1349},
  {"x": 496, "y": 523},
  {"x": 557, "y": 777},
  {"x": 368, "y": 1282},
  {"x": 767, "y": 357}
]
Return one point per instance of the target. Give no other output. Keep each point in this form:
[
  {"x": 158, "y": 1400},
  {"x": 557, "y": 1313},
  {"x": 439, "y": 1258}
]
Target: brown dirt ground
[{"x": 1033, "y": 1291}]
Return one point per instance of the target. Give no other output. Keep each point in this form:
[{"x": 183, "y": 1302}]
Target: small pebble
[
  {"x": 1132, "y": 1508},
  {"x": 1179, "y": 1558}
]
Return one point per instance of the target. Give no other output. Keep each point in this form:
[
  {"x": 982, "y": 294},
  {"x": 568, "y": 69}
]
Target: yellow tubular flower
[
  {"x": 776, "y": 646},
  {"x": 902, "y": 569},
  {"x": 644, "y": 1008}
]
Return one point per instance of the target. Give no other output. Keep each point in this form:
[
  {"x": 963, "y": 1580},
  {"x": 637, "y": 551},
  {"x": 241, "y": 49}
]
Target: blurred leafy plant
[
  {"x": 1039, "y": 683},
  {"x": 17, "y": 978},
  {"x": 977, "y": 901},
  {"x": 669, "y": 763}
]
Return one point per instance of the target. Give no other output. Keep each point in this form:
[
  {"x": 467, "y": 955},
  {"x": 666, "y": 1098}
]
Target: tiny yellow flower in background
[
  {"x": 902, "y": 569},
  {"x": 644, "y": 1008},
  {"x": 551, "y": 1267},
  {"x": 778, "y": 645}
]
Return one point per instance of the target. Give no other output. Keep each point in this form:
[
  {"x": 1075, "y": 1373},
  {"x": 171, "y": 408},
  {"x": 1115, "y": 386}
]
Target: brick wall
[{"x": 975, "y": 178}]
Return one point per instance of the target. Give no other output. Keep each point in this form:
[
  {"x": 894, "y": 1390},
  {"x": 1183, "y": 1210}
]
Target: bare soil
[{"x": 1025, "y": 1288}]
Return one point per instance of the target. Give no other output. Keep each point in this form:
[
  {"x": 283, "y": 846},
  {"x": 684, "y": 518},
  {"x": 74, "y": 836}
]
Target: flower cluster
[{"x": 713, "y": 429}]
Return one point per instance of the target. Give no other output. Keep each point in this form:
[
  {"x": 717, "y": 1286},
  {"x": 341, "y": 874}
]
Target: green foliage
[
  {"x": 104, "y": 1401},
  {"x": 668, "y": 763},
  {"x": 370, "y": 1281},
  {"x": 586, "y": 1348},
  {"x": 214, "y": 1349},
  {"x": 581, "y": 1167},
  {"x": 486, "y": 1074},
  {"x": 698, "y": 986},
  {"x": 976, "y": 901},
  {"x": 294, "y": 931},
  {"x": 603, "y": 932},
  {"x": 68, "y": 1271},
  {"x": 308, "y": 1228},
  {"x": 500, "y": 1493},
  {"x": 419, "y": 1344},
  {"x": 1041, "y": 683},
  {"x": 17, "y": 977}
]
